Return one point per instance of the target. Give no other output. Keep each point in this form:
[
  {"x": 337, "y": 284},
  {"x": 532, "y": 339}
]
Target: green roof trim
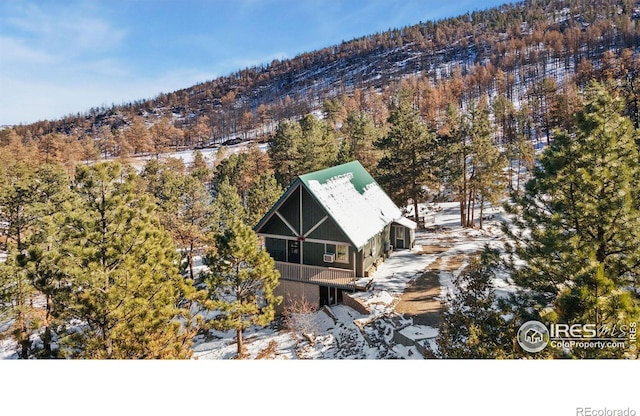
[
  {"x": 355, "y": 203},
  {"x": 360, "y": 179}
]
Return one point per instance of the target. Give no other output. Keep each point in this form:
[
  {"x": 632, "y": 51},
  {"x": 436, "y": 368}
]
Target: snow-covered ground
[
  {"x": 187, "y": 156},
  {"x": 343, "y": 333}
]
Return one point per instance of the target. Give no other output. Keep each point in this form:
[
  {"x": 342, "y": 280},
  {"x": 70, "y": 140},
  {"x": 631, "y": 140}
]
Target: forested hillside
[
  {"x": 99, "y": 259},
  {"x": 508, "y": 51}
]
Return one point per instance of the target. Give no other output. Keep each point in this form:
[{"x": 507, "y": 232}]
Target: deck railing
[{"x": 316, "y": 274}]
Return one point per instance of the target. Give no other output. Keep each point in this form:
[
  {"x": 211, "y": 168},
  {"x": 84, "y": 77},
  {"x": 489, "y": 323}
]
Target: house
[{"x": 329, "y": 230}]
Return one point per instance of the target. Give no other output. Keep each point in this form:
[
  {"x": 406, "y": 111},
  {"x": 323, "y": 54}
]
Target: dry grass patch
[
  {"x": 432, "y": 249},
  {"x": 269, "y": 352}
]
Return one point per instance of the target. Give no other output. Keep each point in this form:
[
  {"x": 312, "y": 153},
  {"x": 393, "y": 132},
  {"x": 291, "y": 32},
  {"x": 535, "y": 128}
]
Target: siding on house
[
  {"x": 277, "y": 248},
  {"x": 290, "y": 209},
  {"x": 314, "y": 252},
  {"x": 276, "y": 226},
  {"x": 330, "y": 211}
]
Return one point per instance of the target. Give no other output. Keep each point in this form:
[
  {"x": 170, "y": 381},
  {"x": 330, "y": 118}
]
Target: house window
[
  {"x": 400, "y": 233},
  {"x": 341, "y": 252}
]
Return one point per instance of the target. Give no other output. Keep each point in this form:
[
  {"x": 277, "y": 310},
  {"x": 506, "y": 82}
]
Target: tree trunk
[
  {"x": 46, "y": 338},
  {"x": 470, "y": 204},
  {"x": 472, "y": 218},
  {"x": 191, "y": 261},
  {"x": 518, "y": 176},
  {"x": 25, "y": 343},
  {"x": 240, "y": 342},
  {"x": 463, "y": 200}
]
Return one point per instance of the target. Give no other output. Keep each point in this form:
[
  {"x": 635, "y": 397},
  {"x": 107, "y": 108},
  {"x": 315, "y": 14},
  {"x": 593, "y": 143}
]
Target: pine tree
[
  {"x": 577, "y": 224},
  {"x": 188, "y": 218},
  {"x": 521, "y": 150},
  {"x": 452, "y": 159},
  {"x": 241, "y": 282},
  {"x": 283, "y": 151},
  {"x": 487, "y": 180},
  {"x": 357, "y": 144},
  {"x": 199, "y": 169},
  {"x": 137, "y": 137},
  {"x": 17, "y": 296},
  {"x": 407, "y": 165},
  {"x": 264, "y": 192},
  {"x": 317, "y": 147},
  {"x": 227, "y": 206},
  {"x": 18, "y": 195},
  {"x": 53, "y": 193},
  {"x": 473, "y": 325},
  {"x": 27, "y": 198},
  {"x": 120, "y": 272}
]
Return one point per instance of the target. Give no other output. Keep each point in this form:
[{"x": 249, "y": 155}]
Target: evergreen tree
[
  {"x": 199, "y": 168},
  {"x": 357, "y": 144},
  {"x": 184, "y": 207},
  {"x": 53, "y": 193},
  {"x": 17, "y": 298},
  {"x": 241, "y": 282},
  {"x": 521, "y": 150},
  {"x": 317, "y": 147},
  {"x": 227, "y": 206},
  {"x": 473, "y": 325},
  {"x": 137, "y": 137},
  {"x": 283, "y": 151},
  {"x": 27, "y": 199},
  {"x": 407, "y": 165},
  {"x": 264, "y": 192},
  {"x": 18, "y": 195},
  {"x": 188, "y": 218},
  {"x": 452, "y": 159},
  {"x": 487, "y": 180},
  {"x": 577, "y": 224},
  {"x": 119, "y": 271}
]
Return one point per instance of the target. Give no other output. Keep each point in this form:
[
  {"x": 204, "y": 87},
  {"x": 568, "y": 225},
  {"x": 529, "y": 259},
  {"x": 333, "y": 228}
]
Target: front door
[
  {"x": 293, "y": 252},
  {"x": 399, "y": 237}
]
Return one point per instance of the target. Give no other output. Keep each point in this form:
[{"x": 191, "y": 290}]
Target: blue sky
[{"x": 60, "y": 57}]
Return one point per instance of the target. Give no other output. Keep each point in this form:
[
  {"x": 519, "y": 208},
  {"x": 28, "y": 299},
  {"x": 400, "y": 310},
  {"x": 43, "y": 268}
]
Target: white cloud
[
  {"x": 27, "y": 101},
  {"x": 17, "y": 51},
  {"x": 64, "y": 32},
  {"x": 59, "y": 61}
]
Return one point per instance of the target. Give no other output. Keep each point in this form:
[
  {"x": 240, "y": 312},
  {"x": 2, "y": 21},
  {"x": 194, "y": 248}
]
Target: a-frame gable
[
  {"x": 345, "y": 194},
  {"x": 273, "y": 212},
  {"x": 297, "y": 206}
]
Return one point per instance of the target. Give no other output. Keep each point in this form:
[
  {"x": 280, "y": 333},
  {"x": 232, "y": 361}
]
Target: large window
[{"x": 341, "y": 252}]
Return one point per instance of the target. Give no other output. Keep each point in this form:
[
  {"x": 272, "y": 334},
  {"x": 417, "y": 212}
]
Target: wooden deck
[{"x": 317, "y": 275}]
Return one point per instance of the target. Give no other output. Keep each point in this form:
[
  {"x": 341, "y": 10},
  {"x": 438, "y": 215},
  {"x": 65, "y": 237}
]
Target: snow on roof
[
  {"x": 406, "y": 222},
  {"x": 360, "y": 213}
]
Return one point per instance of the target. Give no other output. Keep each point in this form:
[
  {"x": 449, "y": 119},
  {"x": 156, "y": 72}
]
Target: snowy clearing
[{"x": 341, "y": 332}]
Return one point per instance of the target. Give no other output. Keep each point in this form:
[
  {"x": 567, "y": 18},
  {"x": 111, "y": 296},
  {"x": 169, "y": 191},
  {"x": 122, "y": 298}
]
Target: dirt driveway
[{"x": 421, "y": 299}]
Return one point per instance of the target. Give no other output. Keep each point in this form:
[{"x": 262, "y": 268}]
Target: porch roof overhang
[{"x": 406, "y": 222}]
